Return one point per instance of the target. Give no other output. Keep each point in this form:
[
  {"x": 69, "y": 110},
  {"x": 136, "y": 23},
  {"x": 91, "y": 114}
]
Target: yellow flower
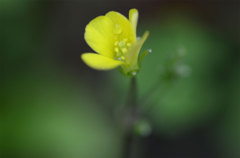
[{"x": 113, "y": 37}]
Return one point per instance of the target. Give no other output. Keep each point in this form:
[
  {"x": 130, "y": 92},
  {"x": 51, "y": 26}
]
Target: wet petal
[
  {"x": 133, "y": 18},
  {"x": 99, "y": 35},
  {"x": 100, "y": 62},
  {"x": 123, "y": 27}
]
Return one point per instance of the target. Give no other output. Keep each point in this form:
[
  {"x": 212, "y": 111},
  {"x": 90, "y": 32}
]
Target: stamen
[
  {"x": 118, "y": 54},
  {"x": 121, "y": 48},
  {"x": 116, "y": 49},
  {"x": 122, "y": 57},
  {"x": 121, "y": 44},
  {"x": 124, "y": 50}
]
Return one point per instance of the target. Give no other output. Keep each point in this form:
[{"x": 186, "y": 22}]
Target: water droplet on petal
[
  {"x": 150, "y": 50},
  {"x": 134, "y": 73},
  {"x": 129, "y": 44},
  {"x": 117, "y": 29}
]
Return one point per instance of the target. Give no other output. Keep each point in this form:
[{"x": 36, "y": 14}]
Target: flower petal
[
  {"x": 123, "y": 27},
  {"x": 100, "y": 62},
  {"x": 99, "y": 35},
  {"x": 133, "y": 18}
]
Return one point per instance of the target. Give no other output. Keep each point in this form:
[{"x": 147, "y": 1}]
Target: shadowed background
[{"x": 53, "y": 105}]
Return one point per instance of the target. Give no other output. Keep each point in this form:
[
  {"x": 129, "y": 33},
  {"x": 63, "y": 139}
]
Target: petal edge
[
  {"x": 133, "y": 18},
  {"x": 120, "y": 21},
  {"x": 100, "y": 62},
  {"x": 98, "y": 35}
]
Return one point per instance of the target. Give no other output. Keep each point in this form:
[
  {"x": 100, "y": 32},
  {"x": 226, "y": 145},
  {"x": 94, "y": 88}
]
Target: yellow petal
[
  {"x": 123, "y": 27},
  {"x": 133, "y": 18},
  {"x": 132, "y": 55},
  {"x": 99, "y": 35},
  {"x": 99, "y": 62}
]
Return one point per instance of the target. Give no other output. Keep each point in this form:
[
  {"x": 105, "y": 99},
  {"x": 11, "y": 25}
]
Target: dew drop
[
  {"x": 150, "y": 50},
  {"x": 129, "y": 44},
  {"x": 134, "y": 73},
  {"x": 117, "y": 29}
]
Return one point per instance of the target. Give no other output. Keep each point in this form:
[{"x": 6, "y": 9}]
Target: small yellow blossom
[{"x": 113, "y": 37}]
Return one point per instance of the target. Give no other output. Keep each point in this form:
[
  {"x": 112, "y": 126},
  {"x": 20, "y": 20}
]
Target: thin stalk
[
  {"x": 132, "y": 94},
  {"x": 131, "y": 105}
]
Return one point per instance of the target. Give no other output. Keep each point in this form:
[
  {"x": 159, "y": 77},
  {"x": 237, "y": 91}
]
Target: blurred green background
[{"x": 54, "y": 106}]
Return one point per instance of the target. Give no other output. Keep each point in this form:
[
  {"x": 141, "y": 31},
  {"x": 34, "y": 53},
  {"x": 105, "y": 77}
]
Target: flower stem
[
  {"x": 131, "y": 117},
  {"x": 132, "y": 95}
]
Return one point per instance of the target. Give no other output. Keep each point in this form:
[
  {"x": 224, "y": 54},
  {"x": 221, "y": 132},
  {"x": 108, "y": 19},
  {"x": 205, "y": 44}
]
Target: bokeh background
[{"x": 54, "y": 106}]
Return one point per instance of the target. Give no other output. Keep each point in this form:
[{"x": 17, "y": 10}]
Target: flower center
[{"x": 121, "y": 48}]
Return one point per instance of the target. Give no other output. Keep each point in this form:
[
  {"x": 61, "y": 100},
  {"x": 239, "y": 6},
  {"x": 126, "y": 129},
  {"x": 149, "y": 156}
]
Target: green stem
[
  {"x": 131, "y": 105},
  {"x": 132, "y": 95}
]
